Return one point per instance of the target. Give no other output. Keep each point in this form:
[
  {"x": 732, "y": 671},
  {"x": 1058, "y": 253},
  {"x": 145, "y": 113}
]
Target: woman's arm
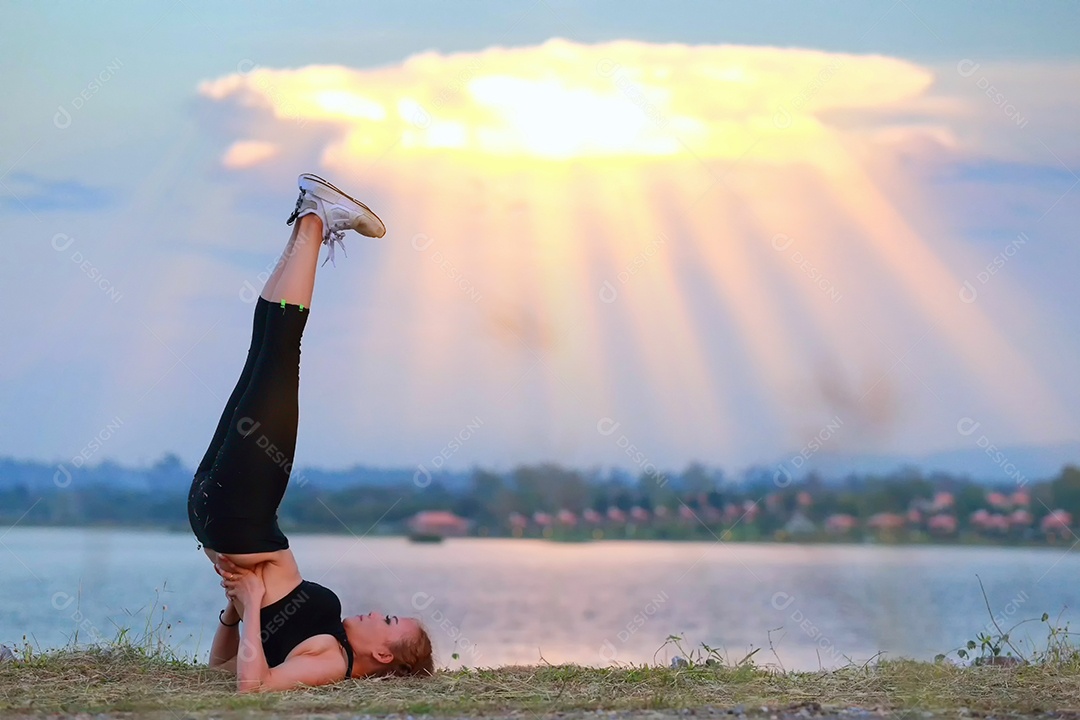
[
  {"x": 307, "y": 669},
  {"x": 279, "y": 572},
  {"x": 319, "y": 665},
  {"x": 226, "y": 640},
  {"x": 252, "y": 669}
]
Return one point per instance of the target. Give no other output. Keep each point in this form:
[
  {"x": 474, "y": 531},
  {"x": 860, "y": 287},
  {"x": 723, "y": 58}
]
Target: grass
[
  {"x": 139, "y": 673},
  {"x": 123, "y": 679}
]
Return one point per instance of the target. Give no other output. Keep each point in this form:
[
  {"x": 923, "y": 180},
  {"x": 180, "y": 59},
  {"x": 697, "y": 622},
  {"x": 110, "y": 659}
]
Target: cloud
[
  {"x": 543, "y": 177},
  {"x": 630, "y": 99},
  {"x": 786, "y": 184},
  {"x": 248, "y": 153},
  {"x": 28, "y": 192},
  {"x": 566, "y": 100}
]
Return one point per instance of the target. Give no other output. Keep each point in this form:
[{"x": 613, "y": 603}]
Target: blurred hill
[
  {"x": 988, "y": 464},
  {"x": 171, "y": 474}
]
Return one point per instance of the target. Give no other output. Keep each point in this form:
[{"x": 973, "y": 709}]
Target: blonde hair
[{"x": 412, "y": 657}]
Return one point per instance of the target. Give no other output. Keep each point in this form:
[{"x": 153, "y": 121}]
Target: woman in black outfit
[{"x": 292, "y": 632}]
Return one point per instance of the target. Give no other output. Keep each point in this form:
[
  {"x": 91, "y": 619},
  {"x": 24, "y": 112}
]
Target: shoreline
[{"x": 968, "y": 542}]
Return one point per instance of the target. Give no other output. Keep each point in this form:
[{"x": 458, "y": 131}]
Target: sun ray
[
  {"x": 665, "y": 338},
  {"x": 703, "y": 391},
  {"x": 576, "y": 359},
  {"x": 683, "y": 236},
  {"x": 934, "y": 291},
  {"x": 442, "y": 368},
  {"x": 713, "y": 228}
]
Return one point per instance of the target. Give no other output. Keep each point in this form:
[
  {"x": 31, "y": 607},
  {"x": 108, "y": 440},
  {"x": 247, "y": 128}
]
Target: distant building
[
  {"x": 799, "y": 524},
  {"x": 840, "y": 524},
  {"x": 750, "y": 511},
  {"x": 1021, "y": 518},
  {"x": 986, "y": 521},
  {"x": 616, "y": 515},
  {"x": 943, "y": 501},
  {"x": 440, "y": 523},
  {"x": 1057, "y": 524},
  {"x": 886, "y": 522},
  {"x": 942, "y": 524},
  {"x": 592, "y": 517}
]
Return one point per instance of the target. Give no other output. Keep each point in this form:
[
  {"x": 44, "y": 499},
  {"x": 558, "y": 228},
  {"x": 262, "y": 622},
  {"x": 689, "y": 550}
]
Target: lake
[{"x": 502, "y": 601}]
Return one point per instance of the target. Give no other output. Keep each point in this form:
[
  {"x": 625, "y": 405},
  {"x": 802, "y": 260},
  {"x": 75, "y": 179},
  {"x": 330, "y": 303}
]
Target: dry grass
[{"x": 126, "y": 680}]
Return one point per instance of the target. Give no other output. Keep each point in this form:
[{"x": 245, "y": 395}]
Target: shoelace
[
  {"x": 296, "y": 210},
  {"x": 329, "y": 239},
  {"x": 329, "y": 236}
]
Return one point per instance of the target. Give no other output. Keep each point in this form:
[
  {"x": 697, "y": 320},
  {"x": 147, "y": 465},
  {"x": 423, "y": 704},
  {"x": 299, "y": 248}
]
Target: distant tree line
[{"x": 562, "y": 503}]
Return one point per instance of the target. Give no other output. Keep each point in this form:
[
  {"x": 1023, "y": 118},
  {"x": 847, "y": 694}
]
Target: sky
[{"x": 619, "y": 234}]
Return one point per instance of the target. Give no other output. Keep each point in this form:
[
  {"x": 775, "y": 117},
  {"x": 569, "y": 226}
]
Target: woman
[{"x": 279, "y": 630}]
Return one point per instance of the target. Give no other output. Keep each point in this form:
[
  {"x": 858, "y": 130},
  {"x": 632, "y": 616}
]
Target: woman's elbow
[
  {"x": 245, "y": 686},
  {"x": 228, "y": 666}
]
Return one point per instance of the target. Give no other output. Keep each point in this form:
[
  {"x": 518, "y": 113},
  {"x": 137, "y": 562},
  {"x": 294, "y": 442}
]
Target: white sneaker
[{"x": 337, "y": 210}]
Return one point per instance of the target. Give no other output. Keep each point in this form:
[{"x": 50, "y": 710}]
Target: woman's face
[{"x": 376, "y": 631}]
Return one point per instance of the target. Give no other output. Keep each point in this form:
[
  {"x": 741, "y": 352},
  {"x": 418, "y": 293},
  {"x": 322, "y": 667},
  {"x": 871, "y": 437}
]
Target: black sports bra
[{"x": 309, "y": 610}]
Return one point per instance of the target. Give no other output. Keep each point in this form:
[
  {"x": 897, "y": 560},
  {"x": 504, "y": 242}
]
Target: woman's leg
[
  {"x": 257, "y": 331},
  {"x": 305, "y": 233},
  {"x": 293, "y": 280},
  {"x": 248, "y": 476}
]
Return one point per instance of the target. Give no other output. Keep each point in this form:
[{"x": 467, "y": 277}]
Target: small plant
[
  {"x": 153, "y": 642},
  {"x": 997, "y": 648},
  {"x": 1059, "y": 649},
  {"x": 705, "y": 656},
  {"x": 984, "y": 650}
]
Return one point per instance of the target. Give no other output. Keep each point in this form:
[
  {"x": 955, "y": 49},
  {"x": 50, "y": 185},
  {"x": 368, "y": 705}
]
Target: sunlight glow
[
  {"x": 562, "y": 100},
  {"x": 539, "y": 180}
]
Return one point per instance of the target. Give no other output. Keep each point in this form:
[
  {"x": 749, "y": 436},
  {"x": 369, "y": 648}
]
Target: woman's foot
[{"x": 337, "y": 211}]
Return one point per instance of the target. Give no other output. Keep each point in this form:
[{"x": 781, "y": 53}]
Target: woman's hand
[
  {"x": 233, "y": 614},
  {"x": 242, "y": 586}
]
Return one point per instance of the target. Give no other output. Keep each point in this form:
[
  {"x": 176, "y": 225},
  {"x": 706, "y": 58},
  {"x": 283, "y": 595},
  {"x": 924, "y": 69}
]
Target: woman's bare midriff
[{"x": 280, "y": 574}]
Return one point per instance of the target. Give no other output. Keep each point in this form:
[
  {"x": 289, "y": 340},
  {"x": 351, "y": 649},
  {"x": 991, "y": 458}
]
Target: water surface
[{"x": 497, "y": 602}]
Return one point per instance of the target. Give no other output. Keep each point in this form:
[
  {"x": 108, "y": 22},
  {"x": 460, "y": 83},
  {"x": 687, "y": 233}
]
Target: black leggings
[{"x": 234, "y": 497}]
